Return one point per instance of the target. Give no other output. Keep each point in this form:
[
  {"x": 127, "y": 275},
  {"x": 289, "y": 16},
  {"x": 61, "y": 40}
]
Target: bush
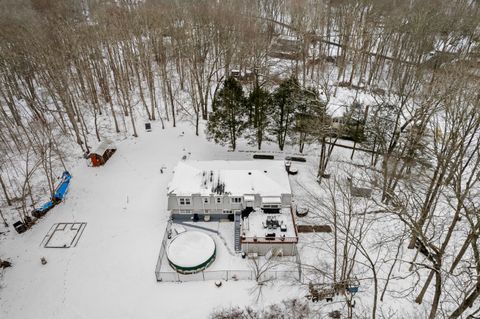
[{"x": 287, "y": 309}]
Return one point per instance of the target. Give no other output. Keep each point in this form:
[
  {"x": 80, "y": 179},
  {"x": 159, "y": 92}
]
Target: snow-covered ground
[{"x": 110, "y": 272}]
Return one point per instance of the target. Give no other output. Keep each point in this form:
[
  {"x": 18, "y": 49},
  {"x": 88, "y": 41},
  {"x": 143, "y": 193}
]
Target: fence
[
  {"x": 171, "y": 276},
  {"x": 299, "y": 264},
  {"x": 269, "y": 240},
  {"x": 163, "y": 248}
]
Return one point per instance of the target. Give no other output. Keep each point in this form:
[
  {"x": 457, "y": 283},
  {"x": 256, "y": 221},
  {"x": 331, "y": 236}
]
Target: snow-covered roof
[
  {"x": 103, "y": 146},
  {"x": 238, "y": 178}
]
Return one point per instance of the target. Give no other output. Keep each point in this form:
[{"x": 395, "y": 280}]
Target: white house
[
  {"x": 226, "y": 187},
  {"x": 255, "y": 194}
]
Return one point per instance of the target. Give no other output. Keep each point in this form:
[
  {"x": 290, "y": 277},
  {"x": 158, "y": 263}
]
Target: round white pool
[{"x": 191, "y": 252}]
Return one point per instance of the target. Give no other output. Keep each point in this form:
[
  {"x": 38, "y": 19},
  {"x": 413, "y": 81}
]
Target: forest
[{"x": 73, "y": 73}]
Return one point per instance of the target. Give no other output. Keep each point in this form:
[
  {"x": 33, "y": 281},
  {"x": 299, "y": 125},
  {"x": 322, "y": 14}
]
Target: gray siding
[
  {"x": 288, "y": 249},
  {"x": 199, "y": 206},
  {"x": 286, "y": 200}
]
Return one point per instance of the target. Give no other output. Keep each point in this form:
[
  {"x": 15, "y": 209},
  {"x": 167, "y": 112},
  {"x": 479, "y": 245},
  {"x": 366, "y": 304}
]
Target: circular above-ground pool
[{"x": 191, "y": 252}]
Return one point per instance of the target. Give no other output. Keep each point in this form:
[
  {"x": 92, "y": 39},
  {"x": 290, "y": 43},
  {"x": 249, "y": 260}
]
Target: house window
[
  {"x": 236, "y": 200},
  {"x": 219, "y": 200},
  {"x": 184, "y": 201},
  {"x": 206, "y": 200}
]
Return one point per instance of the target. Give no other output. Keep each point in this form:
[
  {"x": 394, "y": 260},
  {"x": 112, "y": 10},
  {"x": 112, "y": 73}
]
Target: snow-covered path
[{"x": 110, "y": 273}]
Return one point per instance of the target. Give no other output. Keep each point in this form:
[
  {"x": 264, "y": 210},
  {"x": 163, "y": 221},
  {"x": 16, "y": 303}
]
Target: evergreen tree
[
  {"x": 310, "y": 117},
  {"x": 283, "y": 115},
  {"x": 260, "y": 104},
  {"x": 229, "y": 118},
  {"x": 354, "y": 123}
]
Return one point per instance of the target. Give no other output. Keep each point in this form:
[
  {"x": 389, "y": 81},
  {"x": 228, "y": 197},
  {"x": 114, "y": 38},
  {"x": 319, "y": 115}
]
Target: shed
[{"x": 102, "y": 153}]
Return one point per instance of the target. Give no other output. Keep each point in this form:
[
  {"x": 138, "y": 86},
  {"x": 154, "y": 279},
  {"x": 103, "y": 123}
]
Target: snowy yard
[
  {"x": 228, "y": 265},
  {"x": 377, "y": 110},
  {"x": 110, "y": 272},
  {"x": 124, "y": 205}
]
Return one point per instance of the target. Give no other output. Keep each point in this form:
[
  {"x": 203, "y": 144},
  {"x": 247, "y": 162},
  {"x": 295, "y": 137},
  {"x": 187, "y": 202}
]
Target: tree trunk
[{"x": 5, "y": 193}]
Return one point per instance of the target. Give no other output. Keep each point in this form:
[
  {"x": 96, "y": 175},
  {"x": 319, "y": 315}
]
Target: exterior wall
[
  {"x": 286, "y": 200},
  {"x": 189, "y": 217},
  {"x": 108, "y": 153},
  {"x": 96, "y": 160},
  {"x": 174, "y": 205},
  {"x": 199, "y": 206},
  {"x": 99, "y": 160},
  {"x": 261, "y": 249}
]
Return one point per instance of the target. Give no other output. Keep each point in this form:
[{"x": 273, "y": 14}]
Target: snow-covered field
[{"x": 110, "y": 272}]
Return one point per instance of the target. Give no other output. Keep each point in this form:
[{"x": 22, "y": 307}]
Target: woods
[{"x": 398, "y": 79}]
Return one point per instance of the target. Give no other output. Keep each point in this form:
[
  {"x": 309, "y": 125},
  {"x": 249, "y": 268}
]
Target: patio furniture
[
  {"x": 301, "y": 211},
  {"x": 293, "y": 171}
]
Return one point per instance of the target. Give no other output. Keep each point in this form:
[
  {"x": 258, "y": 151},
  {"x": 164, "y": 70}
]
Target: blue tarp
[
  {"x": 62, "y": 187},
  {"x": 58, "y": 196},
  {"x": 45, "y": 207}
]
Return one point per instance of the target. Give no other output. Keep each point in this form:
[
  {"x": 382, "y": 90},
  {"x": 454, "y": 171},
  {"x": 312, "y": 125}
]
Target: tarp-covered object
[
  {"x": 57, "y": 197},
  {"x": 62, "y": 188}
]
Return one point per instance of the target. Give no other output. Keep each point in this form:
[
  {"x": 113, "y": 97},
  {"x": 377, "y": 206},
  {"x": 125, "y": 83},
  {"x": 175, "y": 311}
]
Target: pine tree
[
  {"x": 310, "y": 117},
  {"x": 283, "y": 115},
  {"x": 260, "y": 104},
  {"x": 354, "y": 126},
  {"x": 229, "y": 119}
]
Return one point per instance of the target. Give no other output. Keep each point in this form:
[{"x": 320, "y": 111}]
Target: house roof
[
  {"x": 103, "y": 146},
  {"x": 237, "y": 178}
]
